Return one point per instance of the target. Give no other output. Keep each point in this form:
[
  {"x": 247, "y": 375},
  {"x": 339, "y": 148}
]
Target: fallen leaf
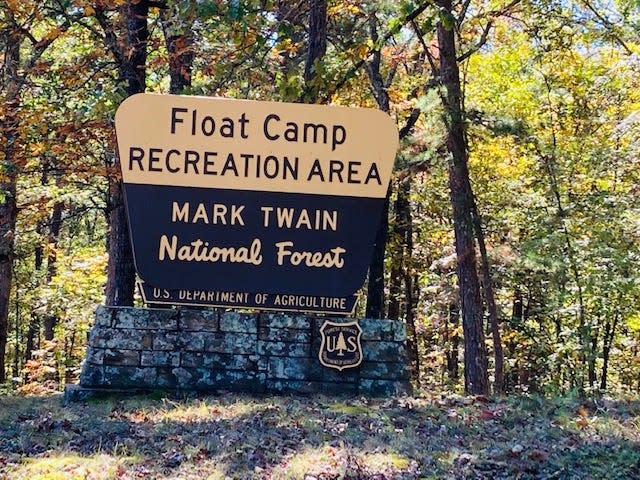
[
  {"x": 516, "y": 450},
  {"x": 538, "y": 455},
  {"x": 486, "y": 415},
  {"x": 582, "y": 422}
]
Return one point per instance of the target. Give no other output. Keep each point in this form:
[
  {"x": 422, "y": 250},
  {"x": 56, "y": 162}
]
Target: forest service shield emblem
[{"x": 340, "y": 347}]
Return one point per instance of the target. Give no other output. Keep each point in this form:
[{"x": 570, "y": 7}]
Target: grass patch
[
  {"x": 69, "y": 467},
  {"x": 238, "y": 436}
]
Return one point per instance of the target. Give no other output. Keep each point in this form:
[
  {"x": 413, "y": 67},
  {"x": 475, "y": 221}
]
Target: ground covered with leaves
[{"x": 241, "y": 437}]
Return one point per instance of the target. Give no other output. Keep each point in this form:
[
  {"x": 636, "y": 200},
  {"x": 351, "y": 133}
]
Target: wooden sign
[{"x": 253, "y": 197}]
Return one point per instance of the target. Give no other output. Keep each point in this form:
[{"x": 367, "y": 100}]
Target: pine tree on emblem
[{"x": 341, "y": 346}]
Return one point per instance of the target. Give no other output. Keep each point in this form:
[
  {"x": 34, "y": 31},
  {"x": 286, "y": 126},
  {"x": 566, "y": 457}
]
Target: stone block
[
  {"x": 383, "y": 388},
  {"x": 205, "y": 380},
  {"x": 384, "y": 371},
  {"x": 144, "y": 376},
  {"x": 263, "y": 364},
  {"x": 92, "y": 375},
  {"x": 399, "y": 332},
  {"x": 316, "y": 370},
  {"x": 316, "y": 343},
  {"x": 144, "y": 319},
  {"x": 284, "y": 335},
  {"x": 185, "y": 377},
  {"x": 166, "y": 379},
  {"x": 149, "y": 358},
  {"x": 129, "y": 317},
  {"x": 288, "y": 368},
  {"x": 192, "y": 359},
  {"x": 233, "y": 343},
  {"x": 225, "y": 361},
  {"x": 162, "y": 318},
  {"x": 192, "y": 341},
  {"x": 383, "y": 351},
  {"x": 348, "y": 375},
  {"x": 104, "y": 316},
  {"x": 238, "y": 322},
  {"x": 170, "y": 341},
  {"x": 284, "y": 349},
  {"x": 199, "y": 320},
  {"x": 376, "y": 329},
  {"x": 96, "y": 335},
  {"x": 95, "y": 356},
  {"x": 276, "y": 320},
  {"x": 118, "y": 356},
  {"x": 129, "y": 377},
  {"x": 318, "y": 322},
  {"x": 128, "y": 339},
  {"x": 238, "y": 381}
]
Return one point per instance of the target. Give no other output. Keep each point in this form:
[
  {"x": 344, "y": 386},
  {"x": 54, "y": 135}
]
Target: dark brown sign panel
[{"x": 242, "y": 196}]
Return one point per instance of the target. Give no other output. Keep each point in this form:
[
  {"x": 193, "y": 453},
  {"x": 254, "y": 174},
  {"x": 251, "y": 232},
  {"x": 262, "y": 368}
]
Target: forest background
[{"x": 520, "y": 139}]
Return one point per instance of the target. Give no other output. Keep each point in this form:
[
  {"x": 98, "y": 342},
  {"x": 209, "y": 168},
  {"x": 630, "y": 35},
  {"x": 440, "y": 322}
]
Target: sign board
[{"x": 233, "y": 197}]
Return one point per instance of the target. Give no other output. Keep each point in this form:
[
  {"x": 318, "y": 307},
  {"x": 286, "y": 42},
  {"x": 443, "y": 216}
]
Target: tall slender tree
[
  {"x": 475, "y": 356},
  {"x": 316, "y": 49},
  {"x": 178, "y": 35},
  {"x": 131, "y": 57}
]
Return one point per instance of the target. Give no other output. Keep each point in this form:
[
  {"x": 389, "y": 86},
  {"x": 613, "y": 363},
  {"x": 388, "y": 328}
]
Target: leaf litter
[{"x": 235, "y": 436}]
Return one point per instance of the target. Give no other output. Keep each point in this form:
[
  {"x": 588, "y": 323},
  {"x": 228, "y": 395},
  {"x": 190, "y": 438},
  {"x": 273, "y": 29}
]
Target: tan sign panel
[{"x": 255, "y": 146}]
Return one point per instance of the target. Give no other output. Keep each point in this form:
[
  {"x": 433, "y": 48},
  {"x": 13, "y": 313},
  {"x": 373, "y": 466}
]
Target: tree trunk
[
  {"x": 475, "y": 357},
  {"x": 396, "y": 248},
  {"x": 452, "y": 354},
  {"x": 55, "y": 224},
  {"x": 179, "y": 42},
  {"x": 375, "y": 285},
  {"x": 405, "y": 222},
  {"x": 8, "y": 213},
  {"x": 8, "y": 208},
  {"x": 317, "y": 47},
  {"x": 32, "y": 333},
  {"x": 487, "y": 286},
  {"x": 591, "y": 360},
  {"x": 121, "y": 273},
  {"x": 609, "y": 334}
]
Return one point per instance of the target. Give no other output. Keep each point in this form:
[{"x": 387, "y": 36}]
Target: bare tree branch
[
  {"x": 479, "y": 44},
  {"x": 610, "y": 26},
  {"x": 411, "y": 121},
  {"x": 358, "y": 65}
]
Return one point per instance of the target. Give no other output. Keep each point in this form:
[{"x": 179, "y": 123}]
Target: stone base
[{"x": 183, "y": 350}]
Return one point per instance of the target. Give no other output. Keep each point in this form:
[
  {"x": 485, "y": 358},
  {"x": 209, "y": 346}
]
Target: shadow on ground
[{"x": 242, "y": 437}]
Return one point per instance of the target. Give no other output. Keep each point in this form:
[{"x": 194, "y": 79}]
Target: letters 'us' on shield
[{"x": 340, "y": 347}]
